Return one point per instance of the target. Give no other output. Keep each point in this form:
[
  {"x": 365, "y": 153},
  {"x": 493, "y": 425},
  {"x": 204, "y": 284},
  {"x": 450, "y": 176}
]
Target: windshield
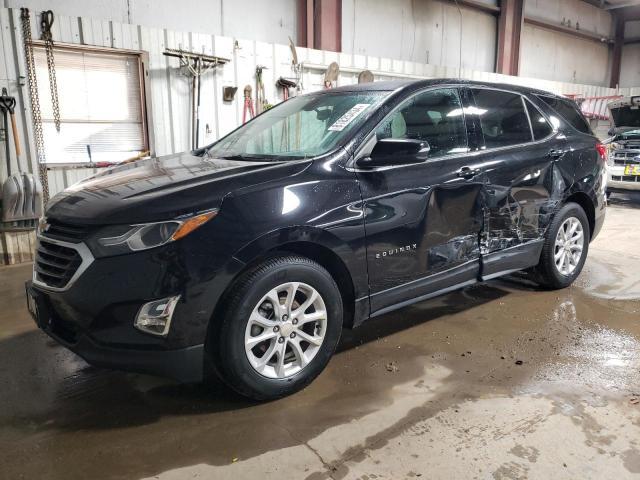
[
  {"x": 626, "y": 116},
  {"x": 301, "y": 127}
]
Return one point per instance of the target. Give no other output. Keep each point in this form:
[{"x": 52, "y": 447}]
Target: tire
[
  {"x": 248, "y": 315},
  {"x": 550, "y": 275}
]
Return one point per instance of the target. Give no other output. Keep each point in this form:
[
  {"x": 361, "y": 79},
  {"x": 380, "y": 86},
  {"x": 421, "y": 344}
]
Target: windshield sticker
[{"x": 348, "y": 117}]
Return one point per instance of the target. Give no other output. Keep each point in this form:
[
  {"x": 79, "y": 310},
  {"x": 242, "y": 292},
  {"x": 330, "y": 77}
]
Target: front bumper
[
  {"x": 182, "y": 364},
  {"x": 617, "y": 180}
]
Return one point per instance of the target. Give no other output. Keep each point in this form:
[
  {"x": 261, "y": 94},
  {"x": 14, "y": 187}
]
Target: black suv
[{"x": 245, "y": 259}]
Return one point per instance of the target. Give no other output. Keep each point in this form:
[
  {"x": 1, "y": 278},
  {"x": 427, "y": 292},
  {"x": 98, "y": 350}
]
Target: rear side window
[
  {"x": 435, "y": 116},
  {"x": 503, "y": 118},
  {"x": 539, "y": 124},
  {"x": 569, "y": 111}
]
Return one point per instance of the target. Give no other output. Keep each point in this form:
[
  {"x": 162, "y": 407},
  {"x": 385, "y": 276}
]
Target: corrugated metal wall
[
  {"x": 170, "y": 91},
  {"x": 426, "y": 31}
]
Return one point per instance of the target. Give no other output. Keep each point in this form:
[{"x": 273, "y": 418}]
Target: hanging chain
[
  {"x": 36, "y": 115},
  {"x": 45, "y": 23}
]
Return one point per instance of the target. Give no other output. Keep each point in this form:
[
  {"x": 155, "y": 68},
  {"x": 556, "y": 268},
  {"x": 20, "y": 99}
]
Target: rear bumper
[{"x": 183, "y": 364}]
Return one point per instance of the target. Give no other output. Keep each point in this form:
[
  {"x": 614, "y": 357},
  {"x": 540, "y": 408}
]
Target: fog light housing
[{"x": 155, "y": 317}]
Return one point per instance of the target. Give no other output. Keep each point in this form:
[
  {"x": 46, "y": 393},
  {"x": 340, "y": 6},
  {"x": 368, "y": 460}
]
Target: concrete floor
[{"x": 434, "y": 391}]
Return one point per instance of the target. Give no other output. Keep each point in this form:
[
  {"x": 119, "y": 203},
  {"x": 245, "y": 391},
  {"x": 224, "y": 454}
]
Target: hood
[
  {"x": 625, "y": 114},
  {"x": 161, "y": 188}
]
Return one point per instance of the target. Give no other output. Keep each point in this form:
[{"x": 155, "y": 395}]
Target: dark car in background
[{"x": 246, "y": 259}]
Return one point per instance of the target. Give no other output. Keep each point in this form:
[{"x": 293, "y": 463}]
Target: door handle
[
  {"x": 468, "y": 172},
  {"x": 556, "y": 154}
]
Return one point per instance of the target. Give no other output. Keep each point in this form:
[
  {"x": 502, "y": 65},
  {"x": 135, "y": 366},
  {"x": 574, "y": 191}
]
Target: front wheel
[
  {"x": 565, "y": 247},
  {"x": 279, "y": 329}
]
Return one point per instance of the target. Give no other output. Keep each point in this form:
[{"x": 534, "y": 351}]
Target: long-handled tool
[
  {"x": 296, "y": 66},
  {"x": 248, "y": 105},
  {"x": 8, "y": 104},
  {"x": 261, "y": 100},
  {"x": 196, "y": 64},
  {"x": 21, "y": 191},
  {"x": 331, "y": 75},
  {"x": 5, "y": 127},
  {"x": 286, "y": 84}
]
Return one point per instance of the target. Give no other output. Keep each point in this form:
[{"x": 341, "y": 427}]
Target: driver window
[{"x": 435, "y": 116}]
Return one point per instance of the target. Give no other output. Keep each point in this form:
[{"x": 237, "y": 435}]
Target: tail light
[{"x": 602, "y": 151}]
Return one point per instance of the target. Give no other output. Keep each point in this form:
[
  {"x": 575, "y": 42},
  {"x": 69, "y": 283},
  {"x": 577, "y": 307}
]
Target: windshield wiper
[
  {"x": 247, "y": 157},
  {"x": 255, "y": 157},
  {"x": 237, "y": 156}
]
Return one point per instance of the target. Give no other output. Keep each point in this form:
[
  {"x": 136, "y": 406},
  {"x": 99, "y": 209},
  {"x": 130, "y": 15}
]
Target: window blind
[{"x": 100, "y": 102}]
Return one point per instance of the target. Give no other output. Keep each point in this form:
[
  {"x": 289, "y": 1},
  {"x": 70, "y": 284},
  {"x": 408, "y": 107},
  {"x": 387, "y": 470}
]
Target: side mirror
[{"x": 395, "y": 151}]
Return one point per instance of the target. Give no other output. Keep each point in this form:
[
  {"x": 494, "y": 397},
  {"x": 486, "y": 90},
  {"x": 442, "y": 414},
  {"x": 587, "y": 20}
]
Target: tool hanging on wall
[
  {"x": 21, "y": 191},
  {"x": 196, "y": 65},
  {"x": 8, "y": 104},
  {"x": 248, "y": 105},
  {"x": 46, "y": 22},
  {"x": 285, "y": 142},
  {"x": 296, "y": 66},
  {"x": 261, "y": 101},
  {"x": 229, "y": 93},
  {"x": 365, "y": 76},
  {"x": 331, "y": 75},
  {"x": 286, "y": 84},
  {"x": 36, "y": 116}
]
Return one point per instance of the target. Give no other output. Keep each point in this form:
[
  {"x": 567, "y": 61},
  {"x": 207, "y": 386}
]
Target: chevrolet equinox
[{"x": 246, "y": 258}]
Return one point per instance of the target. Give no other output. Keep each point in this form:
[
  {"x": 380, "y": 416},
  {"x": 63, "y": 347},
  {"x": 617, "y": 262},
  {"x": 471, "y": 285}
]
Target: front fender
[{"x": 351, "y": 258}]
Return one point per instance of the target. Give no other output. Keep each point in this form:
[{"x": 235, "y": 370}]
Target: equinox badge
[{"x": 395, "y": 251}]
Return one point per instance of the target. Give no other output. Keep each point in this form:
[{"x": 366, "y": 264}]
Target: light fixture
[{"x": 155, "y": 317}]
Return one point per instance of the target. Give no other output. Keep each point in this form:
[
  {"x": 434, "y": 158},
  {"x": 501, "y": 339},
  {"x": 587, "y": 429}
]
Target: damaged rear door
[{"x": 519, "y": 149}]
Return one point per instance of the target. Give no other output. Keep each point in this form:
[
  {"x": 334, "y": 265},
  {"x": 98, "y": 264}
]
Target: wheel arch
[
  {"x": 311, "y": 242},
  {"x": 586, "y": 203},
  {"x": 335, "y": 266}
]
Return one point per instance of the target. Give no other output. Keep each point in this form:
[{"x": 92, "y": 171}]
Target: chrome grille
[
  {"x": 58, "y": 264},
  {"x": 621, "y": 162},
  {"x": 625, "y": 178},
  {"x": 55, "y": 264},
  {"x": 626, "y": 157}
]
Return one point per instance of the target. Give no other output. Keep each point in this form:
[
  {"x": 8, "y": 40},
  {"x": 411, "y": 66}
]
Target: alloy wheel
[
  {"x": 285, "y": 330},
  {"x": 568, "y": 246}
]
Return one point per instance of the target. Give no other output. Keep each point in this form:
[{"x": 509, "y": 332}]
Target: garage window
[
  {"x": 503, "y": 118},
  {"x": 101, "y": 106}
]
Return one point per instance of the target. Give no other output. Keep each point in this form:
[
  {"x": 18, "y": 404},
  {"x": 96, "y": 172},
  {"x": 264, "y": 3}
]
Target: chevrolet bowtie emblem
[{"x": 43, "y": 225}]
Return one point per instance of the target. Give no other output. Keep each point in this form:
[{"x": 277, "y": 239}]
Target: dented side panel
[
  {"x": 458, "y": 219},
  {"x": 420, "y": 220},
  {"x": 523, "y": 187}
]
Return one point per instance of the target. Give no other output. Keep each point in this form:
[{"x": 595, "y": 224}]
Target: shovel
[
  {"x": 9, "y": 104},
  {"x": 21, "y": 192}
]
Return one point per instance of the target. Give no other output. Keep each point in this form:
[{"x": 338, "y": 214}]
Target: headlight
[
  {"x": 119, "y": 239},
  {"x": 612, "y": 147}
]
